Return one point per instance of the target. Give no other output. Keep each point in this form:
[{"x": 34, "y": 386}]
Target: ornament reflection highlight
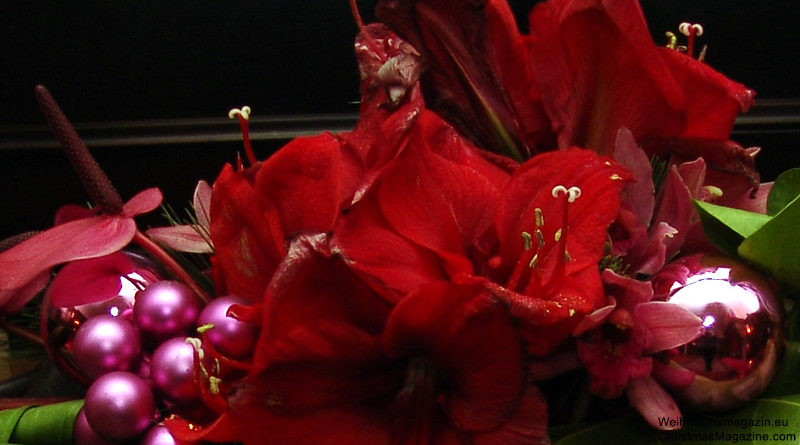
[{"x": 736, "y": 356}]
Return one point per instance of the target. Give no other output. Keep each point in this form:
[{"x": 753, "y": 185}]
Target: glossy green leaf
[
  {"x": 784, "y": 191},
  {"x": 775, "y": 247},
  {"x": 727, "y": 227},
  {"x": 785, "y": 381}
]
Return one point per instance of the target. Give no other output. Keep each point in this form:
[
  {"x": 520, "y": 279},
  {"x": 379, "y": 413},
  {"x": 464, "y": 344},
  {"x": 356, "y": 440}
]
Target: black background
[{"x": 144, "y": 60}]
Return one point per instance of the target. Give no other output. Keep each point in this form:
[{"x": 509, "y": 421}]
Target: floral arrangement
[{"x": 525, "y": 239}]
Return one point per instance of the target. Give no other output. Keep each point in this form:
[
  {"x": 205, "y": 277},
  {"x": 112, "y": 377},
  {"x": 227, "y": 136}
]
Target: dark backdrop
[{"x": 149, "y": 60}]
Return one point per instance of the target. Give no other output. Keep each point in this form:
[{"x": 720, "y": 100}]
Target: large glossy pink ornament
[
  {"x": 59, "y": 324},
  {"x": 229, "y": 336},
  {"x": 166, "y": 309},
  {"x": 172, "y": 371},
  {"x": 120, "y": 406},
  {"x": 743, "y": 318},
  {"x": 104, "y": 344}
]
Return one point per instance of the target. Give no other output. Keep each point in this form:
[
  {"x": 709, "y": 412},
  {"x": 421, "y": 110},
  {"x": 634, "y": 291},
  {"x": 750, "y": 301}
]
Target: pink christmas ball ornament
[
  {"x": 229, "y": 336},
  {"x": 160, "y": 435},
  {"x": 85, "y": 435},
  {"x": 166, "y": 309},
  {"x": 104, "y": 344},
  {"x": 120, "y": 406},
  {"x": 172, "y": 371}
]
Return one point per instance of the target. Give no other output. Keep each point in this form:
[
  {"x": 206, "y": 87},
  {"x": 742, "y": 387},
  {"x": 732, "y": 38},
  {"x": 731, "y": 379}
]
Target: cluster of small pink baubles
[{"x": 137, "y": 355}]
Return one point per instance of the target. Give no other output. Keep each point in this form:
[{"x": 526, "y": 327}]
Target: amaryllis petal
[
  {"x": 471, "y": 339},
  {"x": 218, "y": 431},
  {"x": 669, "y": 325},
  {"x": 652, "y": 402},
  {"x": 478, "y": 78},
  {"x": 528, "y": 424},
  {"x": 598, "y": 71},
  {"x": 143, "y": 202},
  {"x": 391, "y": 264},
  {"x": 246, "y": 231},
  {"x": 183, "y": 238},
  {"x": 83, "y": 238},
  {"x": 90, "y": 280},
  {"x": 303, "y": 180},
  {"x": 441, "y": 193}
]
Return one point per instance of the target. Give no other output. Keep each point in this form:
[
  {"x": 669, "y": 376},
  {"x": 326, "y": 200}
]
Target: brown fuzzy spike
[{"x": 91, "y": 175}]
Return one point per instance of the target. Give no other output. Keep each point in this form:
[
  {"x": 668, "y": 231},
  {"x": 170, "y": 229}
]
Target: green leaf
[
  {"x": 784, "y": 191},
  {"x": 785, "y": 381},
  {"x": 40, "y": 425},
  {"x": 775, "y": 246},
  {"x": 727, "y": 227}
]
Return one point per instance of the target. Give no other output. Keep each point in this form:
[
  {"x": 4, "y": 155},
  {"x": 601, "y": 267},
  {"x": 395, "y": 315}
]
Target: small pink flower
[{"x": 616, "y": 343}]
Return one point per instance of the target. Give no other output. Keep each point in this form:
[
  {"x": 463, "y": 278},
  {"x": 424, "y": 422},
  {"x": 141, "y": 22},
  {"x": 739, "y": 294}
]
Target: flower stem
[
  {"x": 21, "y": 332},
  {"x": 169, "y": 262}
]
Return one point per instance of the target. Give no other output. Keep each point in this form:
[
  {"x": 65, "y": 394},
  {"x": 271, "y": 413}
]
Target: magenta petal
[
  {"x": 201, "y": 203},
  {"x": 595, "y": 318},
  {"x": 184, "y": 238},
  {"x": 16, "y": 298},
  {"x": 90, "y": 280},
  {"x": 84, "y": 238},
  {"x": 143, "y": 202},
  {"x": 638, "y": 196},
  {"x": 670, "y": 325},
  {"x": 672, "y": 376},
  {"x": 652, "y": 402}
]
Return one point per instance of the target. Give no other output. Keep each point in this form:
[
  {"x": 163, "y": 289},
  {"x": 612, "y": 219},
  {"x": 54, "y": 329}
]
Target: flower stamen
[
  {"x": 691, "y": 30},
  {"x": 243, "y": 115}
]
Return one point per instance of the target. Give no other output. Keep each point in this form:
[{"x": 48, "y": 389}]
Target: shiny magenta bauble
[
  {"x": 59, "y": 325},
  {"x": 120, "y": 406},
  {"x": 160, "y": 435},
  {"x": 104, "y": 344},
  {"x": 172, "y": 371},
  {"x": 743, "y": 318},
  {"x": 166, "y": 309},
  {"x": 229, "y": 336},
  {"x": 85, "y": 435}
]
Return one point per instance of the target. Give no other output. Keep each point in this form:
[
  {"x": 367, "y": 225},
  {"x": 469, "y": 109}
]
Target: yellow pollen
[
  {"x": 534, "y": 261},
  {"x": 527, "y": 241},
  {"x": 539, "y": 238},
  {"x": 571, "y": 312},
  {"x": 539, "y": 217},
  {"x": 557, "y": 236},
  {"x": 615, "y": 177}
]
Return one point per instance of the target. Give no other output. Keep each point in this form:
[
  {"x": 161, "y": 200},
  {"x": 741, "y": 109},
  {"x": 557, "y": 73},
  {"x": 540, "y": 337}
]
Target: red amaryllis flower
[
  {"x": 444, "y": 366},
  {"x": 533, "y": 238},
  {"x": 477, "y": 72},
  {"x": 309, "y": 182},
  {"x": 598, "y": 70}
]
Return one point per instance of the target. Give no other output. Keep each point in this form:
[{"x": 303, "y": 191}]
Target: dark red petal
[
  {"x": 598, "y": 71},
  {"x": 303, "y": 180},
  {"x": 472, "y": 341},
  {"x": 391, "y": 264},
  {"x": 218, "y": 431},
  {"x": 246, "y": 231},
  {"x": 527, "y": 426},
  {"x": 90, "y": 280},
  {"x": 441, "y": 192},
  {"x": 310, "y": 289},
  {"x": 478, "y": 77}
]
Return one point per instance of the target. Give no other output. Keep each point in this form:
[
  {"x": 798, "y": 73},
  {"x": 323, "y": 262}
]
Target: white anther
[
  {"x": 558, "y": 190},
  {"x": 244, "y": 112},
  {"x": 687, "y": 28},
  {"x": 572, "y": 193}
]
